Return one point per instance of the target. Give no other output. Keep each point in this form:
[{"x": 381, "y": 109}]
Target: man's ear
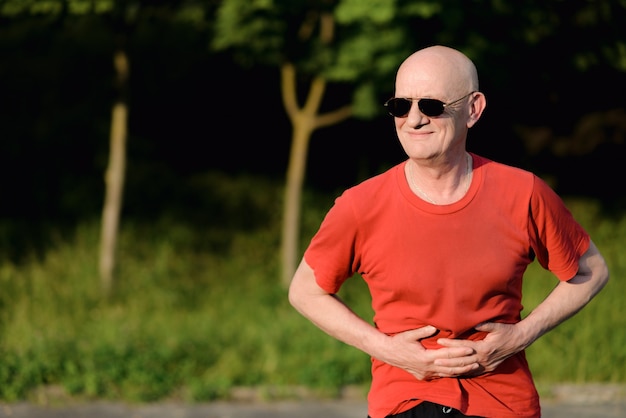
[{"x": 478, "y": 103}]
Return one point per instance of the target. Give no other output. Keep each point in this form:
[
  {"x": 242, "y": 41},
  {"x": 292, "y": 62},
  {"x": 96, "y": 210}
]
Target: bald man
[{"x": 443, "y": 240}]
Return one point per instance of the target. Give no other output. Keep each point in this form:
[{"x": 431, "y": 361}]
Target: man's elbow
[
  {"x": 293, "y": 296},
  {"x": 303, "y": 289},
  {"x": 297, "y": 292},
  {"x": 594, "y": 267},
  {"x": 603, "y": 276}
]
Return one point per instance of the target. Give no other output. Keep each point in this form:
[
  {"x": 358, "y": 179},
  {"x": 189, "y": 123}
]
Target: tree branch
[
  {"x": 288, "y": 89},
  {"x": 331, "y": 118}
]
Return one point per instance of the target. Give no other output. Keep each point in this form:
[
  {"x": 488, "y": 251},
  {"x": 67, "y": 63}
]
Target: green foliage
[
  {"x": 352, "y": 11},
  {"x": 370, "y": 38},
  {"x": 253, "y": 29},
  {"x": 368, "y": 41},
  {"x": 199, "y": 310},
  {"x": 365, "y": 95},
  {"x": 54, "y": 7}
]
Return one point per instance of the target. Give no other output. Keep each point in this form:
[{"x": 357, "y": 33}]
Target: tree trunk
[
  {"x": 305, "y": 121},
  {"x": 114, "y": 176},
  {"x": 292, "y": 199}
]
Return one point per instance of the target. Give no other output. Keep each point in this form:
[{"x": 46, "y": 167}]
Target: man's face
[{"x": 424, "y": 136}]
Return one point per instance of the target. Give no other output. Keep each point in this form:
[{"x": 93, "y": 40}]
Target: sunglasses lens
[
  {"x": 431, "y": 107},
  {"x": 398, "y": 107}
]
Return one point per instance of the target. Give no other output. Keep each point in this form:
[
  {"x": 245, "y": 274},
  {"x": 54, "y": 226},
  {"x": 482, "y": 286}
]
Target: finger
[
  {"x": 457, "y": 361},
  {"x": 450, "y": 342},
  {"x": 419, "y": 333},
  {"x": 487, "y": 326},
  {"x": 458, "y": 370}
]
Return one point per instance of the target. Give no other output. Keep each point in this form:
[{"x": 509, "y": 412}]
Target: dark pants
[{"x": 429, "y": 410}]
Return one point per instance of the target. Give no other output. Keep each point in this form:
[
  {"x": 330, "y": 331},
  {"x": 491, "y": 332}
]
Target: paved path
[
  {"x": 567, "y": 401},
  {"x": 308, "y": 409}
]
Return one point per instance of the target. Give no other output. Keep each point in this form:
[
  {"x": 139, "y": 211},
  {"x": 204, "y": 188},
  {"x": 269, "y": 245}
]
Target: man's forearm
[{"x": 567, "y": 298}]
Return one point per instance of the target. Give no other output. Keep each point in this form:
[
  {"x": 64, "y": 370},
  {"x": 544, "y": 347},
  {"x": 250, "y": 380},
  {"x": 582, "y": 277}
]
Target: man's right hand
[{"x": 406, "y": 351}]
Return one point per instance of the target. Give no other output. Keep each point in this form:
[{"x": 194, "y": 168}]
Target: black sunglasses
[{"x": 400, "y": 107}]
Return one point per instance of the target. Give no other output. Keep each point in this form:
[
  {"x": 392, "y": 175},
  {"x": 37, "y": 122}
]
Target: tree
[
  {"x": 114, "y": 177},
  {"x": 116, "y": 169},
  {"x": 124, "y": 16},
  {"x": 121, "y": 16},
  {"x": 318, "y": 45}
]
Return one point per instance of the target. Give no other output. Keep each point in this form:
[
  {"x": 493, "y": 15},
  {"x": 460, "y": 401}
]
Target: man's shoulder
[{"x": 500, "y": 168}]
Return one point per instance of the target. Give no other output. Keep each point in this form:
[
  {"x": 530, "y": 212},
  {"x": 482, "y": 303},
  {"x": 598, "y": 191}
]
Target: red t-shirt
[{"x": 450, "y": 266}]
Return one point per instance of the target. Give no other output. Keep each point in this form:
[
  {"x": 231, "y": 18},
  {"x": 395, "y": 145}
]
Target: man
[{"x": 442, "y": 240}]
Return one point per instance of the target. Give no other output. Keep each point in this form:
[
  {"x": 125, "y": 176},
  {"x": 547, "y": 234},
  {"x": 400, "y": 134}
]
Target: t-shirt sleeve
[
  {"x": 331, "y": 252},
  {"x": 557, "y": 238}
]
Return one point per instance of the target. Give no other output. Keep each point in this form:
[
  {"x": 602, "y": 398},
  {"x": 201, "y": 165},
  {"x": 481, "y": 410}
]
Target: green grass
[
  {"x": 198, "y": 309},
  {"x": 590, "y": 346}
]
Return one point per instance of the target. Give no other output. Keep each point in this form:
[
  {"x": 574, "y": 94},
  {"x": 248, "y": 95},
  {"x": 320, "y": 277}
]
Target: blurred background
[{"x": 212, "y": 114}]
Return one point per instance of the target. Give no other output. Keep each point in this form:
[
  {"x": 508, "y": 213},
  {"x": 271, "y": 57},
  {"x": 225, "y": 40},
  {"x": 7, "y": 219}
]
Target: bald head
[{"x": 436, "y": 71}]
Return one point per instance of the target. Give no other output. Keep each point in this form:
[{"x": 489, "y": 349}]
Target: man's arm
[
  {"x": 404, "y": 350},
  {"x": 565, "y": 300}
]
